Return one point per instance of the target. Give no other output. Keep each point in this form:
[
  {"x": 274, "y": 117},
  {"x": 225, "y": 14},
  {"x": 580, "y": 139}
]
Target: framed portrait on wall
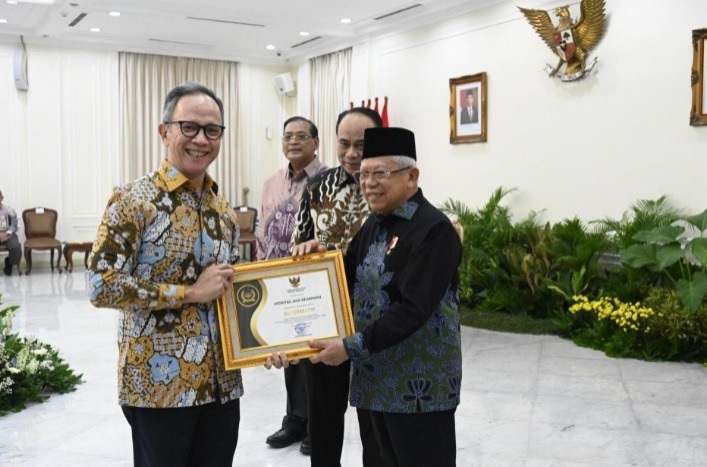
[
  {"x": 467, "y": 109},
  {"x": 698, "y": 112}
]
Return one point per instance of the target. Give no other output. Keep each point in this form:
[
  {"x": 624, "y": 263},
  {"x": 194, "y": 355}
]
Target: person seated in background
[{"x": 8, "y": 236}]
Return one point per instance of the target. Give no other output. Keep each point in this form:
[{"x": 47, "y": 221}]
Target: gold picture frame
[
  {"x": 698, "y": 112},
  {"x": 280, "y": 305},
  {"x": 468, "y": 109}
]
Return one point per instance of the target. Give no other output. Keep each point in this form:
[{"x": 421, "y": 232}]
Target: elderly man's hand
[
  {"x": 310, "y": 246},
  {"x": 332, "y": 352},
  {"x": 279, "y": 360}
]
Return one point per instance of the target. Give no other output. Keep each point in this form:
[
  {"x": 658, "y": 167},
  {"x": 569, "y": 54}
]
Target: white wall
[
  {"x": 589, "y": 148},
  {"x": 60, "y": 136},
  {"x": 261, "y": 108}
]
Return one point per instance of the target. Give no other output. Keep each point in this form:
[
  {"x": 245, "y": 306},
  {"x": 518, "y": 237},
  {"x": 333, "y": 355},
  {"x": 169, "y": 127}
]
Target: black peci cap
[{"x": 388, "y": 142}]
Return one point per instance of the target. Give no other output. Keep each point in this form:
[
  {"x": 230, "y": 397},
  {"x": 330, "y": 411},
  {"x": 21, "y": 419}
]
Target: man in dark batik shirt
[{"x": 330, "y": 213}]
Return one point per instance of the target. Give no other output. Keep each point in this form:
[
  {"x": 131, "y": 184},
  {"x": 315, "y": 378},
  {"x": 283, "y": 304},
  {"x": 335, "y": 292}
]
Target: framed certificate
[{"x": 279, "y": 305}]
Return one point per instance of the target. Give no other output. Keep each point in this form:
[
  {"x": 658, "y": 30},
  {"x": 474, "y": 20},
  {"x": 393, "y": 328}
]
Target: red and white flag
[{"x": 384, "y": 113}]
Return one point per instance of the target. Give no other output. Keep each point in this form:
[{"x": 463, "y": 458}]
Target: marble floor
[{"x": 535, "y": 401}]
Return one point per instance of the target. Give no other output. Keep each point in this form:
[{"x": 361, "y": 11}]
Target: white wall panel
[
  {"x": 42, "y": 154},
  {"x": 260, "y": 107},
  {"x": 61, "y": 139},
  {"x": 81, "y": 144},
  {"x": 589, "y": 148},
  {"x": 89, "y": 152},
  {"x": 11, "y": 130}
]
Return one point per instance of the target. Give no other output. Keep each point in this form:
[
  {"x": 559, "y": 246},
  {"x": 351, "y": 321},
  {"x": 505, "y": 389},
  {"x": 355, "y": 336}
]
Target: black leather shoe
[
  {"x": 284, "y": 437},
  {"x": 8, "y": 267},
  {"x": 306, "y": 446}
]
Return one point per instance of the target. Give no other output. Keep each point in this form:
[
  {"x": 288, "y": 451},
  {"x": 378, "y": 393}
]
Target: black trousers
[
  {"x": 200, "y": 436},
  {"x": 296, "y": 415},
  {"x": 14, "y": 249},
  {"x": 327, "y": 400},
  {"x": 412, "y": 440}
]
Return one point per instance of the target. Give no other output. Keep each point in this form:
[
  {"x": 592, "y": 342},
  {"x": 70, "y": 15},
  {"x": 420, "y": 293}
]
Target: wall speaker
[
  {"x": 20, "y": 68},
  {"x": 284, "y": 83}
]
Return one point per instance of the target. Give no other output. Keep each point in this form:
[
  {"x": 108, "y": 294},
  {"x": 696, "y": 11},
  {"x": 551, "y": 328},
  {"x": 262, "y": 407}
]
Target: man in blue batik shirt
[{"x": 402, "y": 271}]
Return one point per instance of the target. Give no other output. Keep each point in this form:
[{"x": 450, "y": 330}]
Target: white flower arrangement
[{"x": 29, "y": 369}]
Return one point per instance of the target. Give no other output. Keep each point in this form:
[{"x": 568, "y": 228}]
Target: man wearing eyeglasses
[
  {"x": 162, "y": 255},
  {"x": 330, "y": 213},
  {"x": 280, "y": 199},
  {"x": 402, "y": 272}
]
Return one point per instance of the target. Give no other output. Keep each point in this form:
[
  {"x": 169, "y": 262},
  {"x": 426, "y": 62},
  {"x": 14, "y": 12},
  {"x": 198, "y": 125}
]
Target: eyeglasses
[
  {"x": 299, "y": 137},
  {"x": 344, "y": 145},
  {"x": 378, "y": 175},
  {"x": 191, "y": 129}
]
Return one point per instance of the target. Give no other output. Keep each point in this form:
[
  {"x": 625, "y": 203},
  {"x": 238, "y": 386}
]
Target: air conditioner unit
[
  {"x": 20, "y": 69},
  {"x": 284, "y": 84}
]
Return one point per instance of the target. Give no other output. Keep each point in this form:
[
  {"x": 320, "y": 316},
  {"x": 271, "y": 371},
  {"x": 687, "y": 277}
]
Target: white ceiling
[{"x": 235, "y": 30}]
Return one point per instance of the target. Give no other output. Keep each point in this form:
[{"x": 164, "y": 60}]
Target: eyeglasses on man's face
[
  {"x": 344, "y": 145},
  {"x": 191, "y": 129},
  {"x": 377, "y": 175},
  {"x": 299, "y": 137}
]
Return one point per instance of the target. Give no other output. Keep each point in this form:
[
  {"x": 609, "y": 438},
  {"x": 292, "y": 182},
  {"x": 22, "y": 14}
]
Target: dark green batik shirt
[{"x": 402, "y": 271}]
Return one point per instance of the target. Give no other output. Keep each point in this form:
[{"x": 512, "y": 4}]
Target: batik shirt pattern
[
  {"x": 332, "y": 210},
  {"x": 8, "y": 219},
  {"x": 402, "y": 270},
  {"x": 156, "y": 236},
  {"x": 281, "y": 196}
]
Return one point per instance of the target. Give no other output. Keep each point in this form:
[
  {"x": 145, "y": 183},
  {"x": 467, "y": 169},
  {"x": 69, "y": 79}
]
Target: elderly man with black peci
[{"x": 402, "y": 272}]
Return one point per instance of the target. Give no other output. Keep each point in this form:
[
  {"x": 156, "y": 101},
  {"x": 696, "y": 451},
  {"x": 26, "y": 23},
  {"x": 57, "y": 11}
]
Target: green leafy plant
[
  {"x": 683, "y": 336},
  {"x": 523, "y": 267},
  {"x": 677, "y": 251},
  {"x": 644, "y": 214},
  {"x": 486, "y": 231},
  {"x": 495, "y": 273},
  {"x": 578, "y": 253},
  {"x": 526, "y": 269},
  {"x": 29, "y": 369}
]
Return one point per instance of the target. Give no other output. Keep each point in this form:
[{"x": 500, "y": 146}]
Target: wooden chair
[
  {"x": 247, "y": 218},
  {"x": 40, "y": 230}
]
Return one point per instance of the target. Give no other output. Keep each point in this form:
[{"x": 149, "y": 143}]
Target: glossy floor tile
[{"x": 534, "y": 401}]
